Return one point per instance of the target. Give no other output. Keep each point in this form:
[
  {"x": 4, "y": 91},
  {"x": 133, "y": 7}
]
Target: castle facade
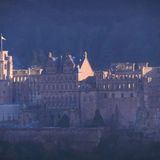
[{"x": 69, "y": 92}]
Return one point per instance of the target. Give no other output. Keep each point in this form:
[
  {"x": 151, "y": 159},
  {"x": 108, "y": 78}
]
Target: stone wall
[
  {"x": 5, "y": 92},
  {"x": 121, "y": 108},
  {"x": 88, "y": 106}
]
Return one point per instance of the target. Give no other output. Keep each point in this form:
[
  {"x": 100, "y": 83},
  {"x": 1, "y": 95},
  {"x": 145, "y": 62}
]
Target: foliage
[
  {"x": 109, "y": 149},
  {"x": 98, "y": 119}
]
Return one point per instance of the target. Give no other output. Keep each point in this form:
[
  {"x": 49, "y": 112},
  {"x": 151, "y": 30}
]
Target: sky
[{"x": 109, "y": 30}]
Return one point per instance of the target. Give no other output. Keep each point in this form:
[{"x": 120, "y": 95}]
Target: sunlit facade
[{"x": 126, "y": 94}]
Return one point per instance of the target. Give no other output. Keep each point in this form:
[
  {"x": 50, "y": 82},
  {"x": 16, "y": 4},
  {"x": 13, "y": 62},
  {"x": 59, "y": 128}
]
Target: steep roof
[{"x": 85, "y": 69}]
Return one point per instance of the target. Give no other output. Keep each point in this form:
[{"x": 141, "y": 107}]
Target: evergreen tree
[{"x": 98, "y": 119}]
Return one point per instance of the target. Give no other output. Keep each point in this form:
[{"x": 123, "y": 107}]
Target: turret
[
  {"x": 69, "y": 65},
  {"x": 51, "y": 66}
]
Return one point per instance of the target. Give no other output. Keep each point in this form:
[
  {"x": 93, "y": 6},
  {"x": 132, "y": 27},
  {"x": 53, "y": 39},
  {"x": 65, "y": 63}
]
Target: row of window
[
  {"x": 19, "y": 79},
  {"x": 117, "y": 86},
  {"x": 9, "y": 116},
  {"x": 58, "y": 87},
  {"x": 59, "y": 78},
  {"x": 60, "y": 104},
  {"x": 132, "y": 76},
  {"x": 89, "y": 99},
  {"x": 48, "y": 79},
  {"x": 113, "y": 95},
  {"x": 60, "y": 98}
]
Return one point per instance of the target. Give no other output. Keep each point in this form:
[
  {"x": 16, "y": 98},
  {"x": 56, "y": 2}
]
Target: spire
[
  {"x": 51, "y": 66},
  {"x": 69, "y": 64},
  {"x": 50, "y": 55},
  {"x": 85, "y": 69},
  {"x": 85, "y": 54},
  {"x": 2, "y": 39}
]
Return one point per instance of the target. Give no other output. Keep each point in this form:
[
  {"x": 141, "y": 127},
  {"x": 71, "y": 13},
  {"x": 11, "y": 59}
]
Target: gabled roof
[{"x": 85, "y": 69}]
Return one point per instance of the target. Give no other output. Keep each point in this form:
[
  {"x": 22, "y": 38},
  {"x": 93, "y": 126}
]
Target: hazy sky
[{"x": 110, "y": 30}]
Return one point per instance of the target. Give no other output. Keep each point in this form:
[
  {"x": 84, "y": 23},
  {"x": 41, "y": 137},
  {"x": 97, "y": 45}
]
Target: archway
[{"x": 64, "y": 121}]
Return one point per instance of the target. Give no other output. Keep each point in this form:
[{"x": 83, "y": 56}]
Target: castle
[{"x": 68, "y": 90}]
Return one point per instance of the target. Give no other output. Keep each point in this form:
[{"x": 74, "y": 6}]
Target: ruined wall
[
  {"x": 114, "y": 106},
  {"x": 152, "y": 98},
  {"x": 88, "y": 106},
  {"x": 119, "y": 106}
]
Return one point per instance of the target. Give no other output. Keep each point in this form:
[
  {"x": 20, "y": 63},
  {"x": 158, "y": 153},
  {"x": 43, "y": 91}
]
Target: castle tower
[
  {"x": 6, "y": 66},
  {"x": 69, "y": 64},
  {"x": 51, "y": 66}
]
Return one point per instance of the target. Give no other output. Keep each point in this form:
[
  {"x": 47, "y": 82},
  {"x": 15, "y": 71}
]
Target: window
[
  {"x": 129, "y": 85},
  {"x": 113, "y": 95},
  {"x": 90, "y": 98},
  {"x": 122, "y": 95},
  {"x": 105, "y": 95},
  {"x": 114, "y": 86},
  {"x": 70, "y": 86},
  {"x": 131, "y": 95},
  {"x": 17, "y": 79}
]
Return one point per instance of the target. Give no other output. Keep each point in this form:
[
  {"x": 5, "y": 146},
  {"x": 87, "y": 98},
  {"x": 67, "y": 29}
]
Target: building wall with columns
[{"x": 58, "y": 89}]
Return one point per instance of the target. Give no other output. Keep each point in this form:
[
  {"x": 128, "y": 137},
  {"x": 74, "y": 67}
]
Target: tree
[{"x": 98, "y": 119}]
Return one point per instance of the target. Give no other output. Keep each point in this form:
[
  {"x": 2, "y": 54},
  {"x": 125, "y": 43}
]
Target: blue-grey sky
[{"x": 110, "y": 30}]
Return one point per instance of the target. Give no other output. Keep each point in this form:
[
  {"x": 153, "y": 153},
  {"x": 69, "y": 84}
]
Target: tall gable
[
  {"x": 69, "y": 65},
  {"x": 85, "y": 70},
  {"x": 51, "y": 66}
]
